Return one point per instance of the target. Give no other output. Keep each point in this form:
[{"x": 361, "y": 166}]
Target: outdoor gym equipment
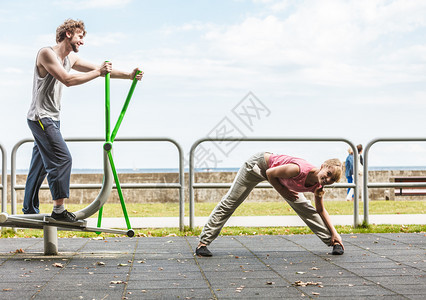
[{"x": 49, "y": 225}]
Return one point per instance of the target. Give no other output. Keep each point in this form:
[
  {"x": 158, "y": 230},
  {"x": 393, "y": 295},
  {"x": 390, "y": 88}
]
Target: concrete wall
[{"x": 204, "y": 195}]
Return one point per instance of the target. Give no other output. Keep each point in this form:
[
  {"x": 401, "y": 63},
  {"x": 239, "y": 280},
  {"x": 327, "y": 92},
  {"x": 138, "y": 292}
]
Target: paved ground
[{"x": 390, "y": 266}]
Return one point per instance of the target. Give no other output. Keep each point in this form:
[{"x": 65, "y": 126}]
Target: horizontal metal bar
[
  {"x": 177, "y": 185},
  {"x": 100, "y": 229},
  {"x": 14, "y": 219},
  {"x": 201, "y": 185},
  {"x": 17, "y": 221},
  {"x": 124, "y": 185},
  {"x": 396, "y": 184}
]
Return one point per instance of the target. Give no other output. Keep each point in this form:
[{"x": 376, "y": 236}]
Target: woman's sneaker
[
  {"x": 64, "y": 216},
  {"x": 337, "y": 250},
  {"x": 203, "y": 251}
]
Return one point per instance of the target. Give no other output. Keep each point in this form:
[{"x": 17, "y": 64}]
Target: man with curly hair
[{"x": 50, "y": 154}]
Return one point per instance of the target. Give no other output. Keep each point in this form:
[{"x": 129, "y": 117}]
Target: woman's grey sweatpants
[{"x": 250, "y": 174}]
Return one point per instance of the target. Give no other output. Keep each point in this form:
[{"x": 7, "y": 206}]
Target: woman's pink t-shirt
[{"x": 296, "y": 183}]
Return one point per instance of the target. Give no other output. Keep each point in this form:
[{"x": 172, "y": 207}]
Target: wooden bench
[{"x": 409, "y": 191}]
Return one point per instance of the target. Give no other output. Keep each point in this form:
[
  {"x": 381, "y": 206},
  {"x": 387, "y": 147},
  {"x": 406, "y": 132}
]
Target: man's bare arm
[
  {"x": 48, "y": 61},
  {"x": 84, "y": 66}
]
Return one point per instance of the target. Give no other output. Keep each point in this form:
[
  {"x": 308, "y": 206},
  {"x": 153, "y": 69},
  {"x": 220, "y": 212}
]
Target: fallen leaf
[
  {"x": 239, "y": 289},
  {"x": 301, "y": 283},
  {"x": 58, "y": 265}
]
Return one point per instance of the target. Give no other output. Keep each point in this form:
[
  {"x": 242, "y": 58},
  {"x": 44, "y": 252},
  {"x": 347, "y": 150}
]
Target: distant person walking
[
  {"x": 360, "y": 171},
  {"x": 349, "y": 172},
  {"x": 50, "y": 154},
  {"x": 359, "y": 149},
  {"x": 290, "y": 177}
]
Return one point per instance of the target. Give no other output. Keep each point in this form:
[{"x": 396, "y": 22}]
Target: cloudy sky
[{"x": 264, "y": 68}]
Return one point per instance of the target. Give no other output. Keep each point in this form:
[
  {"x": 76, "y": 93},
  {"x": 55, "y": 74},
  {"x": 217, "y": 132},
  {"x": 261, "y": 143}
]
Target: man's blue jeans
[{"x": 50, "y": 157}]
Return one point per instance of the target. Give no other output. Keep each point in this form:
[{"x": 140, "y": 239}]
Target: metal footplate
[
  {"x": 81, "y": 225},
  {"x": 52, "y": 221}
]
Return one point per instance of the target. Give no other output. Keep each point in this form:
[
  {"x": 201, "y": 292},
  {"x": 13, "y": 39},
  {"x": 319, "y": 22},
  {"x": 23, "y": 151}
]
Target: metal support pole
[
  {"x": 366, "y": 185},
  {"x": 356, "y": 188},
  {"x": 50, "y": 240},
  {"x": 107, "y": 108},
  {"x": 4, "y": 179}
]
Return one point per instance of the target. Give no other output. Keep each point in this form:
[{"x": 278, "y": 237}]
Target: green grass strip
[{"x": 248, "y": 208}]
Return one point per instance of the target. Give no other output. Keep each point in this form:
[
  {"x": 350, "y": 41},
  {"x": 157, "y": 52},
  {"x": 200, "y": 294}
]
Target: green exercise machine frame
[{"x": 109, "y": 140}]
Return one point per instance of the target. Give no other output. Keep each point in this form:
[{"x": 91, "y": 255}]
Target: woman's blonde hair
[
  {"x": 70, "y": 26},
  {"x": 336, "y": 165}
]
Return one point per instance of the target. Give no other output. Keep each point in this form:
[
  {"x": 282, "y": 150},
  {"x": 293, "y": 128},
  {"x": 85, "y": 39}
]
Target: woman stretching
[{"x": 290, "y": 176}]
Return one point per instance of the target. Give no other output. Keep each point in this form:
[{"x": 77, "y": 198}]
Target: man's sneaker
[
  {"x": 64, "y": 216},
  {"x": 337, "y": 250},
  {"x": 203, "y": 251}
]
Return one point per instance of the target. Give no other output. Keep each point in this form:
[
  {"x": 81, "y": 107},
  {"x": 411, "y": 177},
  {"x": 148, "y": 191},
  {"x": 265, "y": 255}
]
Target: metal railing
[
  {"x": 193, "y": 185},
  {"x": 3, "y": 185},
  {"x": 367, "y": 185},
  {"x": 179, "y": 185}
]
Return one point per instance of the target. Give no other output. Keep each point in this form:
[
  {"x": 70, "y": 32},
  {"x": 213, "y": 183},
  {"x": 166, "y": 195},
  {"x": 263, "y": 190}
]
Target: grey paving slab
[
  {"x": 169, "y": 293},
  {"x": 48, "y": 293},
  {"x": 353, "y": 291},
  {"x": 389, "y": 266},
  {"x": 390, "y": 280}
]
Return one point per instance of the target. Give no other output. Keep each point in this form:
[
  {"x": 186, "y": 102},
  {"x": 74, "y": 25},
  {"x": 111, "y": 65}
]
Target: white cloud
[
  {"x": 13, "y": 71},
  {"x": 99, "y": 40},
  {"x": 415, "y": 54},
  {"x": 46, "y": 39},
  {"x": 329, "y": 43},
  {"x": 92, "y": 4},
  {"x": 191, "y": 26},
  {"x": 9, "y": 50}
]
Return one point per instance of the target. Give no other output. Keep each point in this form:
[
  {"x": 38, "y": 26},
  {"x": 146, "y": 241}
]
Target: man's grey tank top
[{"x": 47, "y": 93}]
